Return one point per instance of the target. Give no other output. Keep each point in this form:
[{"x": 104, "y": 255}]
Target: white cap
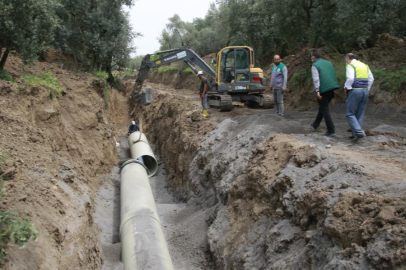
[
  {"x": 199, "y": 73},
  {"x": 133, "y": 122}
]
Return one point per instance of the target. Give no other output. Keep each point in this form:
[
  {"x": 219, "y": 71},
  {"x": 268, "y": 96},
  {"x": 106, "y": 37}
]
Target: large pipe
[
  {"x": 140, "y": 148},
  {"x": 143, "y": 242}
]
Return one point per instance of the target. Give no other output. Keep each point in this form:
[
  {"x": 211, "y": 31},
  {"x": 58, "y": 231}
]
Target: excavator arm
[{"x": 170, "y": 56}]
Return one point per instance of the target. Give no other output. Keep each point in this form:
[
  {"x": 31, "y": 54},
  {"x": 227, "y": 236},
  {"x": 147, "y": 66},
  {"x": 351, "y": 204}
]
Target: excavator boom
[{"x": 179, "y": 54}]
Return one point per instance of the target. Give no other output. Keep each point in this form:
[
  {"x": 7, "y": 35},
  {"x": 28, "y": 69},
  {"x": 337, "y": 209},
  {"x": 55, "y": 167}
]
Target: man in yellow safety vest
[{"x": 357, "y": 86}]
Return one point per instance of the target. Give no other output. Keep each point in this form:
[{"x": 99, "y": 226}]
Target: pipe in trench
[
  {"x": 141, "y": 150},
  {"x": 143, "y": 242}
]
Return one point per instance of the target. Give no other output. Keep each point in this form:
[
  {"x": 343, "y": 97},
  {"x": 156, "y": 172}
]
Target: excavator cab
[{"x": 234, "y": 65}]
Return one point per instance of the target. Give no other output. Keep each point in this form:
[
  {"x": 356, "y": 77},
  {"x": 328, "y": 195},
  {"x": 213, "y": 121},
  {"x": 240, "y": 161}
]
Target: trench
[
  {"x": 225, "y": 154},
  {"x": 183, "y": 225}
]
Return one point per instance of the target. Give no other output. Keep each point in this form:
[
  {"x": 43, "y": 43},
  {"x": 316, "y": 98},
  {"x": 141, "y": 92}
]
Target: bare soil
[{"x": 251, "y": 190}]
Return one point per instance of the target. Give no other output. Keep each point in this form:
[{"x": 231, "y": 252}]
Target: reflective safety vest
[{"x": 361, "y": 75}]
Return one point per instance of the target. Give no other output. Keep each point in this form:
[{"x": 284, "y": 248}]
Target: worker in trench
[
  {"x": 133, "y": 128},
  {"x": 203, "y": 92}
]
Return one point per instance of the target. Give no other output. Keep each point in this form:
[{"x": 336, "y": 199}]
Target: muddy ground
[
  {"x": 279, "y": 195},
  {"x": 244, "y": 189}
]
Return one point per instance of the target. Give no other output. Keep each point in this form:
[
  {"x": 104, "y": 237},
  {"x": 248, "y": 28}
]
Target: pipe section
[
  {"x": 143, "y": 242},
  {"x": 140, "y": 148}
]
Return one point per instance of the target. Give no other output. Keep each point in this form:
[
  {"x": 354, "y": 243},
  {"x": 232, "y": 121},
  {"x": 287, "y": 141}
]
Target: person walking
[
  {"x": 325, "y": 83},
  {"x": 203, "y": 92},
  {"x": 279, "y": 79},
  {"x": 359, "y": 82}
]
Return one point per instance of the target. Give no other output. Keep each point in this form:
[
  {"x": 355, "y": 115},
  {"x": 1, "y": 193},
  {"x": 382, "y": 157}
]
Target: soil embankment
[
  {"x": 278, "y": 195},
  {"x": 58, "y": 153}
]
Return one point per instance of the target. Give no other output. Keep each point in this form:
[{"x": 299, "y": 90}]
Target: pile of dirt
[{"x": 58, "y": 151}]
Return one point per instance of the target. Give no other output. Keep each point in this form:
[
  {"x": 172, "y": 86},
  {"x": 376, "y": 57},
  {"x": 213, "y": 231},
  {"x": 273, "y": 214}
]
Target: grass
[
  {"x": 187, "y": 70},
  {"x": 5, "y": 76},
  {"x": 46, "y": 79},
  {"x": 100, "y": 74},
  {"x": 391, "y": 80},
  {"x": 167, "y": 69}
]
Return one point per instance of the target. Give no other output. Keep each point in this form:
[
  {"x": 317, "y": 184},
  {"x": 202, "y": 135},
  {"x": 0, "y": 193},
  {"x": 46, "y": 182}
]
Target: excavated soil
[
  {"x": 247, "y": 189},
  {"x": 278, "y": 195}
]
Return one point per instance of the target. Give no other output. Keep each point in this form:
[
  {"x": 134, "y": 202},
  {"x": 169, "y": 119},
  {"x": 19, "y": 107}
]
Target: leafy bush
[
  {"x": 5, "y": 76},
  {"x": 46, "y": 79},
  {"x": 16, "y": 230},
  {"x": 100, "y": 74}
]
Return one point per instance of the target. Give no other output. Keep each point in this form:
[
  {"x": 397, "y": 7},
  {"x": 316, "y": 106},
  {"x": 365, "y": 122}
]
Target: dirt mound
[{"x": 57, "y": 153}]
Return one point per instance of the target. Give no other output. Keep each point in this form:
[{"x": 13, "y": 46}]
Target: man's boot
[{"x": 205, "y": 113}]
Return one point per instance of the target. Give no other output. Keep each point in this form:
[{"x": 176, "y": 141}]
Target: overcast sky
[{"x": 149, "y": 17}]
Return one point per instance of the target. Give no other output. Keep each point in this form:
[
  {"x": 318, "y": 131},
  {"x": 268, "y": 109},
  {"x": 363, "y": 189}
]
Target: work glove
[{"x": 202, "y": 95}]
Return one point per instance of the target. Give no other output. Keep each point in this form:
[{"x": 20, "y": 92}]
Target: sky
[{"x": 149, "y": 17}]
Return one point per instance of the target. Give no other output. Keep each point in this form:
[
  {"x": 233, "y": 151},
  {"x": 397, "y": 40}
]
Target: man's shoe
[
  {"x": 328, "y": 134},
  {"x": 312, "y": 125},
  {"x": 349, "y": 130},
  {"x": 357, "y": 137}
]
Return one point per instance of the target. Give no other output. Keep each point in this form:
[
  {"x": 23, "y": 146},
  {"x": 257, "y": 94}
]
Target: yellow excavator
[{"x": 235, "y": 78}]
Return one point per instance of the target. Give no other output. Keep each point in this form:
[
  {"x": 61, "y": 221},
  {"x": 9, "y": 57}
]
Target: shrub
[
  {"x": 5, "y": 76},
  {"x": 46, "y": 79}
]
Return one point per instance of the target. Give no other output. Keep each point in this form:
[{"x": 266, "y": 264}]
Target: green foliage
[
  {"x": 100, "y": 74},
  {"x": 5, "y": 76},
  {"x": 302, "y": 79},
  {"x": 15, "y": 230},
  {"x": 187, "y": 70},
  {"x": 46, "y": 79},
  {"x": 135, "y": 63},
  {"x": 27, "y": 26},
  {"x": 391, "y": 81},
  {"x": 167, "y": 69},
  {"x": 275, "y": 26}
]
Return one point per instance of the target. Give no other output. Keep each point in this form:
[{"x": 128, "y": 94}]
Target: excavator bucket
[{"x": 146, "y": 97}]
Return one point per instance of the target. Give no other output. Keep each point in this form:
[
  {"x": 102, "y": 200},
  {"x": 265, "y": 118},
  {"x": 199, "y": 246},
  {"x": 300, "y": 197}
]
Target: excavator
[{"x": 235, "y": 78}]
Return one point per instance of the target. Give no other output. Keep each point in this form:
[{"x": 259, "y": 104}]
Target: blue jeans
[
  {"x": 204, "y": 102},
  {"x": 355, "y": 105},
  {"x": 278, "y": 100}
]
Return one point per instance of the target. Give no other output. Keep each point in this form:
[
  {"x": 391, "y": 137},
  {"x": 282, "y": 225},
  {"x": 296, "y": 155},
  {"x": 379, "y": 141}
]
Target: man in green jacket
[{"x": 325, "y": 82}]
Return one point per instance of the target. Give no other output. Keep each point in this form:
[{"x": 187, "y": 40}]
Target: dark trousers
[{"x": 324, "y": 111}]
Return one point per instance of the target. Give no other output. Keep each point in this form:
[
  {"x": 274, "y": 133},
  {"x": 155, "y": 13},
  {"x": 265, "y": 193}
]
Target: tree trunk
[{"x": 4, "y": 59}]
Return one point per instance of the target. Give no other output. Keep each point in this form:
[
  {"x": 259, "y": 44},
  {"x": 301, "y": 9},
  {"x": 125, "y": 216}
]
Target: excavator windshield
[{"x": 234, "y": 65}]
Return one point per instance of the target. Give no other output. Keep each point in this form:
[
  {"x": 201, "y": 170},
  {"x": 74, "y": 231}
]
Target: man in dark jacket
[
  {"x": 325, "y": 82},
  {"x": 133, "y": 128},
  {"x": 204, "y": 87}
]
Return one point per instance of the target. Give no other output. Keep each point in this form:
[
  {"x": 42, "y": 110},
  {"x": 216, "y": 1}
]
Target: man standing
[
  {"x": 279, "y": 78},
  {"x": 325, "y": 82},
  {"x": 203, "y": 92},
  {"x": 359, "y": 81}
]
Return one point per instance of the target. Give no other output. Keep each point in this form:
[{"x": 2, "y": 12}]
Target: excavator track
[
  {"x": 222, "y": 103},
  {"x": 268, "y": 102}
]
